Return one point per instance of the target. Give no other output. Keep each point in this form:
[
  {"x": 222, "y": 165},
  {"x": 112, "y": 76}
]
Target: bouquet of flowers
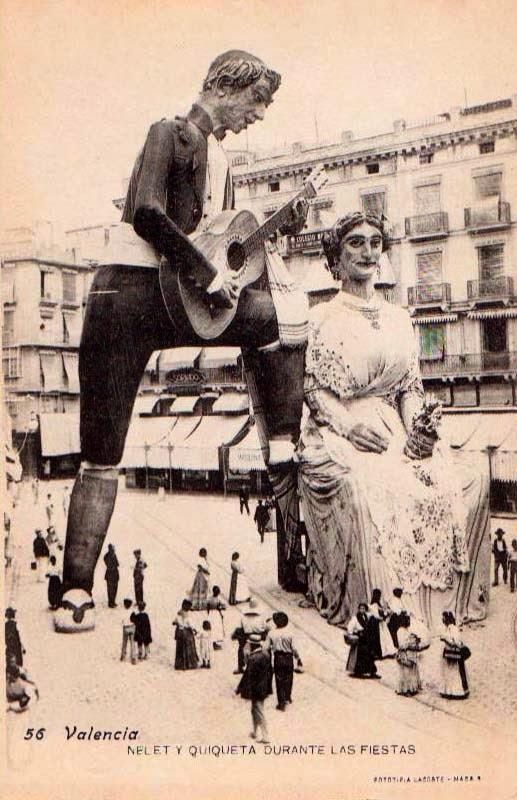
[{"x": 423, "y": 435}]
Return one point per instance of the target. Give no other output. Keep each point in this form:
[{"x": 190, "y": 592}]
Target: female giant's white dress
[{"x": 383, "y": 520}]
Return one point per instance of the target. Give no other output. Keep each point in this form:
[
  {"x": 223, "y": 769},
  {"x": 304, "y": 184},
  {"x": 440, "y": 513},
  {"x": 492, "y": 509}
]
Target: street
[{"x": 82, "y": 682}]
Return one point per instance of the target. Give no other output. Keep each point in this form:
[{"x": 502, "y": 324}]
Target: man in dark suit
[
  {"x": 111, "y": 575},
  {"x": 500, "y": 552},
  {"x": 180, "y": 180}
]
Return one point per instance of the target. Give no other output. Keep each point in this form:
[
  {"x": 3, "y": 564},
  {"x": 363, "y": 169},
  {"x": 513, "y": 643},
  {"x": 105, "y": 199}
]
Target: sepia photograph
[{"x": 259, "y": 399}]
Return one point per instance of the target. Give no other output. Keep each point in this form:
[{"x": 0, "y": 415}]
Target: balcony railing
[
  {"x": 429, "y": 293},
  {"x": 492, "y": 289},
  {"x": 428, "y": 226},
  {"x": 489, "y": 216},
  {"x": 469, "y": 364}
]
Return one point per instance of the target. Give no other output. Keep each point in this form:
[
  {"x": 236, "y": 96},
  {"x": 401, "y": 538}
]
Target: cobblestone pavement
[{"x": 83, "y": 683}]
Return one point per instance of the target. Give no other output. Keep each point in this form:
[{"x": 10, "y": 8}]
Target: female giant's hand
[{"x": 366, "y": 438}]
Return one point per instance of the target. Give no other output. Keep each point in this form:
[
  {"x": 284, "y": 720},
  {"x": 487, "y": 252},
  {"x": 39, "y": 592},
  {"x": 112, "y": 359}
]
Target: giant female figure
[{"x": 376, "y": 516}]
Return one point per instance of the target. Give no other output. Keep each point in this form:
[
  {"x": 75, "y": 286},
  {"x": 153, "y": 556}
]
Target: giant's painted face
[{"x": 361, "y": 249}]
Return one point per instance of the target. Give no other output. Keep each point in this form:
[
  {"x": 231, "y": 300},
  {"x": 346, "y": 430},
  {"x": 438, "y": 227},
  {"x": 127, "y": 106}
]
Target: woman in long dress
[
  {"x": 185, "y": 636},
  {"x": 383, "y": 644},
  {"x": 454, "y": 674},
  {"x": 215, "y": 607},
  {"x": 376, "y": 516},
  {"x": 239, "y": 589},
  {"x": 361, "y": 656},
  {"x": 199, "y": 591},
  {"x": 407, "y": 659},
  {"x": 54, "y": 584}
]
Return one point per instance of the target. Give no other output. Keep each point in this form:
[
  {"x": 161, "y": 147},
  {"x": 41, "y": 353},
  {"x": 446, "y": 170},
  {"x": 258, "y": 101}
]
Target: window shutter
[
  {"x": 374, "y": 203},
  {"x": 491, "y": 262},
  {"x": 427, "y": 199},
  {"x": 488, "y": 185},
  {"x": 432, "y": 342},
  {"x": 429, "y": 268}
]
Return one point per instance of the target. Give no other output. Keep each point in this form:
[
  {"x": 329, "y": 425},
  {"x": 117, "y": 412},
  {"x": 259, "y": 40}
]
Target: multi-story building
[
  {"x": 44, "y": 292},
  {"x": 448, "y": 186}
]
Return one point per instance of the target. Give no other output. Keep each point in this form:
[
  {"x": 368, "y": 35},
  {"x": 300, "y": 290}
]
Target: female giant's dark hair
[{"x": 331, "y": 240}]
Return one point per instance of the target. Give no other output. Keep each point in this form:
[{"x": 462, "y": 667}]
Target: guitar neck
[{"x": 274, "y": 222}]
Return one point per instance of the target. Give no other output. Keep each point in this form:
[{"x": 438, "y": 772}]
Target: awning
[
  {"x": 145, "y": 404},
  {"x": 59, "y": 434},
  {"x": 219, "y": 357},
  {"x": 317, "y": 278},
  {"x": 200, "y": 451},
  {"x": 247, "y": 455},
  {"x": 493, "y": 313},
  {"x": 184, "y": 405},
  {"x": 430, "y": 318},
  {"x": 71, "y": 365},
  {"x": 13, "y": 467},
  {"x": 150, "y": 438},
  {"x": 52, "y": 368},
  {"x": 160, "y": 455},
  {"x": 231, "y": 403},
  {"x": 479, "y": 430},
  {"x": 178, "y": 358}
]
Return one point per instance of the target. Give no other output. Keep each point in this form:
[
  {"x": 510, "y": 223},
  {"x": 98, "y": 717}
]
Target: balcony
[
  {"x": 495, "y": 290},
  {"x": 429, "y": 294},
  {"x": 427, "y": 226},
  {"x": 469, "y": 364},
  {"x": 488, "y": 217},
  {"x": 48, "y": 299}
]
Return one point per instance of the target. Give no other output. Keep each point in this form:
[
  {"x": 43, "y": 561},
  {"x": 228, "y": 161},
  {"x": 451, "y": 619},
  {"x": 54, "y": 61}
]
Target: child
[
  {"x": 142, "y": 631},
  {"x": 128, "y": 632},
  {"x": 205, "y": 644}
]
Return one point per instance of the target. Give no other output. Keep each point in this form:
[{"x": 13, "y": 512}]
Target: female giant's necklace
[{"x": 370, "y": 310}]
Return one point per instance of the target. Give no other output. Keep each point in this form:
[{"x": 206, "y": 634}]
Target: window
[
  {"x": 491, "y": 262},
  {"x": 426, "y": 158},
  {"x": 427, "y": 198},
  {"x": 488, "y": 185},
  {"x": 69, "y": 287},
  {"x": 66, "y": 330},
  {"x": 372, "y": 169},
  {"x": 486, "y": 147},
  {"x": 429, "y": 268},
  {"x": 274, "y": 186},
  {"x": 12, "y": 362},
  {"x": 8, "y": 329},
  {"x": 374, "y": 203},
  {"x": 52, "y": 371},
  {"x": 46, "y": 285},
  {"x": 8, "y": 295},
  {"x": 432, "y": 342}
]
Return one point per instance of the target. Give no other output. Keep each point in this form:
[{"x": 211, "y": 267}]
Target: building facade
[{"x": 448, "y": 187}]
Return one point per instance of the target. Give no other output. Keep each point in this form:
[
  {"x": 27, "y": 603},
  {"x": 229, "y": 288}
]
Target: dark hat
[
  {"x": 137, "y": 552},
  {"x": 280, "y": 619},
  {"x": 10, "y": 612},
  {"x": 498, "y": 531}
]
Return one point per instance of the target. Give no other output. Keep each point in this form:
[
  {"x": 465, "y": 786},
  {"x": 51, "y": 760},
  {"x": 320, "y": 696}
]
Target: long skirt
[
  {"x": 199, "y": 591},
  {"x": 239, "y": 589},
  {"x": 216, "y": 621},
  {"x": 454, "y": 679},
  {"x": 186, "y": 654},
  {"x": 409, "y": 679},
  {"x": 54, "y": 591}
]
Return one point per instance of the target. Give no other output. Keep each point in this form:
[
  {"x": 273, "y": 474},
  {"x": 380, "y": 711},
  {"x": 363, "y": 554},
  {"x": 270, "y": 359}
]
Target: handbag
[
  {"x": 351, "y": 638},
  {"x": 465, "y": 652},
  {"x": 34, "y": 565},
  {"x": 452, "y": 653}
]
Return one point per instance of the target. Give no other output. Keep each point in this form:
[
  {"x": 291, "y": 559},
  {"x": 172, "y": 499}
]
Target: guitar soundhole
[{"x": 235, "y": 255}]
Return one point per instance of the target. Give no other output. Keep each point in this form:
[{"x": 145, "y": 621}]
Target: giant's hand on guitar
[
  {"x": 298, "y": 217},
  {"x": 225, "y": 296}
]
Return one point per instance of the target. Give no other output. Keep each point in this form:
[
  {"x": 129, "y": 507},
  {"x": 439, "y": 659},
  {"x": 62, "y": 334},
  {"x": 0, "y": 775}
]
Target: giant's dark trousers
[{"x": 126, "y": 320}]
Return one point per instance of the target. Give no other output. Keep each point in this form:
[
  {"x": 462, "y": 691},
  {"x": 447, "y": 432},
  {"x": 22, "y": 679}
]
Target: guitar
[{"x": 233, "y": 241}]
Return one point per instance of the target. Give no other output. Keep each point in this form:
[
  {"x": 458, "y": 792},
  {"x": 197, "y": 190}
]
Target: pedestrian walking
[
  {"x": 512, "y": 564},
  {"x": 261, "y": 518},
  {"x": 41, "y": 554},
  {"x": 55, "y": 588},
  {"x": 143, "y": 636},
  {"x": 128, "y": 632},
  {"x": 66, "y": 500},
  {"x": 185, "y": 637},
  {"x": 239, "y": 589},
  {"x": 280, "y": 644},
  {"x": 53, "y": 541},
  {"x": 215, "y": 607},
  {"x": 138, "y": 576},
  {"x": 20, "y": 689},
  {"x": 361, "y": 660},
  {"x": 253, "y": 622},
  {"x": 111, "y": 575},
  {"x": 407, "y": 659},
  {"x": 205, "y": 644},
  {"x": 49, "y": 509},
  {"x": 500, "y": 551},
  {"x": 381, "y": 637},
  {"x": 13, "y": 644},
  {"x": 35, "y": 491},
  {"x": 454, "y": 674},
  {"x": 256, "y": 685},
  {"x": 244, "y": 496},
  {"x": 199, "y": 591}
]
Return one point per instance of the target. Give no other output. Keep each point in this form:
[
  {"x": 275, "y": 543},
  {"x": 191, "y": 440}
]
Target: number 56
[{"x": 40, "y": 733}]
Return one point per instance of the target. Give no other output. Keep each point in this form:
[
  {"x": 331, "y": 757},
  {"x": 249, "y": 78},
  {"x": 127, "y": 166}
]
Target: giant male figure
[{"x": 179, "y": 182}]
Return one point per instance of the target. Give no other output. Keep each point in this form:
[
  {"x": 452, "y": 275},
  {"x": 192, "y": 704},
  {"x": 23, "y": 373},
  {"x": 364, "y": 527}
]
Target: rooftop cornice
[{"x": 338, "y": 154}]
